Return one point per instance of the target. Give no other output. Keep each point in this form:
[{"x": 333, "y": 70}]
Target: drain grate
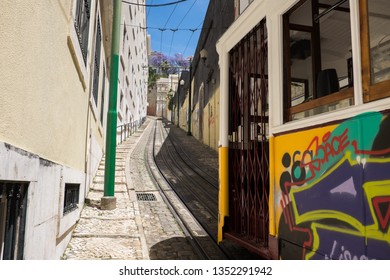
[{"x": 146, "y": 197}]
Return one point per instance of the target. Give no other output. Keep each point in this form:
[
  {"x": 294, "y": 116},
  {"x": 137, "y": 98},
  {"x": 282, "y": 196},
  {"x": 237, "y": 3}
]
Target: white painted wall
[
  {"x": 133, "y": 71},
  {"x": 46, "y": 234}
]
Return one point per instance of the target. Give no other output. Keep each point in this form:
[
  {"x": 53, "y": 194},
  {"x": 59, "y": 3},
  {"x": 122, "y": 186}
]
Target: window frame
[
  {"x": 102, "y": 99},
  {"x": 371, "y": 92},
  {"x": 342, "y": 94},
  {"x": 70, "y": 203},
  {"x": 79, "y": 17},
  {"x": 97, "y": 62},
  {"x": 75, "y": 45}
]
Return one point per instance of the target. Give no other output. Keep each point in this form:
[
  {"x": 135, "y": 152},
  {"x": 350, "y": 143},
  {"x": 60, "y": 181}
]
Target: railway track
[
  {"x": 202, "y": 243},
  {"x": 197, "y": 193},
  {"x": 185, "y": 180}
]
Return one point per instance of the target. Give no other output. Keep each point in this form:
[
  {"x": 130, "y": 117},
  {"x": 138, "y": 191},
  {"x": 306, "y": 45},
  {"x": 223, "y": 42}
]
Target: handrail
[{"x": 124, "y": 131}]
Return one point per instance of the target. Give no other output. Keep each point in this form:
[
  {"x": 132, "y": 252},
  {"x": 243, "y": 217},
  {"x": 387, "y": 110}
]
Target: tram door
[{"x": 248, "y": 141}]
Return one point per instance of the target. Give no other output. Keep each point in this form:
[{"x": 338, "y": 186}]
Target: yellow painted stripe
[
  {"x": 271, "y": 203},
  {"x": 223, "y": 202}
]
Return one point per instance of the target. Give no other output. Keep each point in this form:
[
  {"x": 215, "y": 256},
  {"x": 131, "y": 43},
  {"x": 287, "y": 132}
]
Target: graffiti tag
[{"x": 339, "y": 252}]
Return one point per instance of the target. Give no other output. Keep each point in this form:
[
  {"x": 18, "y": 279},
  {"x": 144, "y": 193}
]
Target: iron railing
[{"x": 124, "y": 131}]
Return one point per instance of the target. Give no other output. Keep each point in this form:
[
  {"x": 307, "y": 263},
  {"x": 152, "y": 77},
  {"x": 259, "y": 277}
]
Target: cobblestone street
[{"x": 136, "y": 229}]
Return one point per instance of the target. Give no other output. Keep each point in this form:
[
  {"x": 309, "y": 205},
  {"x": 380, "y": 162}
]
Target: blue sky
[{"x": 185, "y": 15}]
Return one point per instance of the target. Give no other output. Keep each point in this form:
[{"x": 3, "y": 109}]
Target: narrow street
[
  {"x": 195, "y": 130},
  {"x": 144, "y": 225}
]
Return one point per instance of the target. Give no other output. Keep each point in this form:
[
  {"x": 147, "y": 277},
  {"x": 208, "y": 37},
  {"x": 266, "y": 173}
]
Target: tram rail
[
  {"x": 197, "y": 189},
  {"x": 202, "y": 243}
]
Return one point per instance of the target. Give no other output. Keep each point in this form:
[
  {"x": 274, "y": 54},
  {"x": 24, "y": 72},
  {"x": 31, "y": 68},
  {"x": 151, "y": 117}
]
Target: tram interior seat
[{"x": 327, "y": 82}]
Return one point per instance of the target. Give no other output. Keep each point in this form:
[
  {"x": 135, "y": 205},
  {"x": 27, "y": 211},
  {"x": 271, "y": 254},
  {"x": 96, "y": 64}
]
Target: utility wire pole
[{"x": 108, "y": 201}]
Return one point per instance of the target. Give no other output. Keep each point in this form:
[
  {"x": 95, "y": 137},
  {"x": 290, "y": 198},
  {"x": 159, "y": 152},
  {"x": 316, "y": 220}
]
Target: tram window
[
  {"x": 317, "y": 57},
  {"x": 379, "y": 20},
  {"x": 375, "y": 34}
]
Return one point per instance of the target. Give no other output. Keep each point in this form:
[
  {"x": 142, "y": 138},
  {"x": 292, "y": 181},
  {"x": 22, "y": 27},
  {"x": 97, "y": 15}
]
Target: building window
[
  {"x": 13, "y": 205},
  {"x": 375, "y": 44},
  {"x": 71, "y": 197},
  {"x": 81, "y": 23},
  {"x": 96, "y": 63},
  {"x": 102, "y": 99},
  {"x": 124, "y": 37},
  {"x": 317, "y": 58}
]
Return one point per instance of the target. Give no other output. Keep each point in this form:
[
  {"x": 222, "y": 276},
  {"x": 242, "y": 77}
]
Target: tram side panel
[{"x": 332, "y": 190}]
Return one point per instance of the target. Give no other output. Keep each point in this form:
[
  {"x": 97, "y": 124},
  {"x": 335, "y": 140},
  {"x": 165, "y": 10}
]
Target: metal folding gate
[{"x": 248, "y": 142}]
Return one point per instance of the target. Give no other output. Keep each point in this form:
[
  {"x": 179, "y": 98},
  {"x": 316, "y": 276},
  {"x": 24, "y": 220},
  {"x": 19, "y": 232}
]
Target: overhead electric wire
[
  {"x": 151, "y": 2},
  {"x": 178, "y": 27},
  {"x": 165, "y": 28},
  {"x": 189, "y": 40},
  {"x": 173, "y": 35},
  {"x": 154, "y": 5},
  {"x": 186, "y": 14},
  {"x": 170, "y": 16}
]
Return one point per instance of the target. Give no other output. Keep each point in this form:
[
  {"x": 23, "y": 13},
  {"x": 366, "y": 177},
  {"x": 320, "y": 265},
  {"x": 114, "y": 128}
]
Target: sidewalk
[{"x": 136, "y": 229}]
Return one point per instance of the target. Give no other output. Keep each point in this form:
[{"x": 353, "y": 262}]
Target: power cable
[
  {"x": 173, "y": 35},
  {"x": 166, "y": 25},
  {"x": 174, "y": 30},
  {"x": 189, "y": 40},
  {"x": 177, "y": 27},
  {"x": 170, "y": 16},
  {"x": 164, "y": 29},
  {"x": 154, "y": 5},
  {"x": 151, "y": 2},
  {"x": 186, "y": 14}
]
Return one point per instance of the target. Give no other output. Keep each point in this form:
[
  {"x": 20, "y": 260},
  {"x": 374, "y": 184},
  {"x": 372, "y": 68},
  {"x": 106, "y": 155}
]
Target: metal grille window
[
  {"x": 81, "y": 23},
  {"x": 248, "y": 141},
  {"x": 13, "y": 205},
  {"x": 97, "y": 63},
  {"x": 71, "y": 197},
  {"x": 102, "y": 98}
]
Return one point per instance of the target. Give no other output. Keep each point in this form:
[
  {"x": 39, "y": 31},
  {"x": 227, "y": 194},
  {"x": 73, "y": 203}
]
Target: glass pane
[
  {"x": 302, "y": 15},
  {"x": 301, "y": 67},
  {"x": 324, "y": 108},
  {"x": 379, "y": 21},
  {"x": 335, "y": 34}
]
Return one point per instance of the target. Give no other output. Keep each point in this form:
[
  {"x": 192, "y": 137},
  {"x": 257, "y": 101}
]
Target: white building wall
[
  {"x": 165, "y": 86},
  {"x": 133, "y": 71}
]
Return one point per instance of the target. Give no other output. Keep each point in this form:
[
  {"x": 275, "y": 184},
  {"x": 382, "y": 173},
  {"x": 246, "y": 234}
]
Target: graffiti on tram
[{"x": 333, "y": 195}]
